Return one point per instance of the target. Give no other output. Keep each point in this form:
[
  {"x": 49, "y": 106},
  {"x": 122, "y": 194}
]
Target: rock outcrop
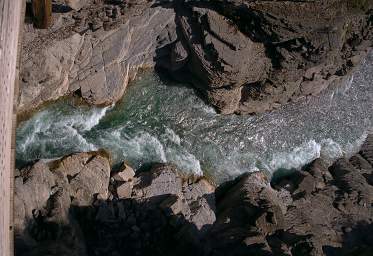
[
  {"x": 93, "y": 52},
  {"x": 44, "y": 196},
  {"x": 71, "y": 206},
  {"x": 244, "y": 56},
  {"x": 253, "y": 56}
]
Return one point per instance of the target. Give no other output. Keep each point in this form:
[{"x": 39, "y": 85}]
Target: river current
[{"x": 159, "y": 121}]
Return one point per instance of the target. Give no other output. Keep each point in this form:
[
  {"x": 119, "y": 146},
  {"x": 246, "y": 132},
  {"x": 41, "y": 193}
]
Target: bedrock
[{"x": 78, "y": 206}]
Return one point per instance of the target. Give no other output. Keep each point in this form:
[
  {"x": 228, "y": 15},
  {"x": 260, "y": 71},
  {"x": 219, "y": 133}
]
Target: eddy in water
[{"x": 168, "y": 122}]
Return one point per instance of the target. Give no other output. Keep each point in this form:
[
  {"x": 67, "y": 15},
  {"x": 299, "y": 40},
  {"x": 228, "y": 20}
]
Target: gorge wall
[
  {"x": 243, "y": 56},
  {"x": 78, "y": 206}
]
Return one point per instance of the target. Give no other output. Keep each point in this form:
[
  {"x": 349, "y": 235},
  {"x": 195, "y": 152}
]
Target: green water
[{"x": 160, "y": 121}]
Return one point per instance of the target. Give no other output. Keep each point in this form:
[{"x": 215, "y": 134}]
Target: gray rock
[
  {"x": 77, "y": 4},
  {"x": 45, "y": 73},
  {"x": 87, "y": 174},
  {"x": 125, "y": 174},
  {"x": 319, "y": 210},
  {"x": 161, "y": 180},
  {"x": 97, "y": 64},
  {"x": 43, "y": 201},
  {"x": 220, "y": 55},
  {"x": 252, "y": 56},
  {"x": 125, "y": 190}
]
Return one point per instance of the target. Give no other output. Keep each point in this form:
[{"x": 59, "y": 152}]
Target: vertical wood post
[
  {"x": 42, "y": 12},
  {"x": 10, "y": 22}
]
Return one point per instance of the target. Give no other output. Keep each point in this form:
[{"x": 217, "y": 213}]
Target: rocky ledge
[
  {"x": 92, "y": 51},
  {"x": 244, "y": 56},
  {"x": 79, "y": 206},
  {"x": 253, "y": 56}
]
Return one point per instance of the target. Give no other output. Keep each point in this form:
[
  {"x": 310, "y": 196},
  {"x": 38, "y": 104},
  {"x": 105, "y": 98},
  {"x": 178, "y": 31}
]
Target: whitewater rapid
[{"x": 160, "y": 121}]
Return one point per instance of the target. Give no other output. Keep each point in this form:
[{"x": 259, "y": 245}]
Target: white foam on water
[
  {"x": 296, "y": 158},
  {"x": 57, "y": 129},
  {"x": 184, "y": 160},
  {"x": 78, "y": 140},
  {"x": 143, "y": 147},
  {"x": 162, "y": 123},
  {"x": 139, "y": 147},
  {"x": 354, "y": 147},
  {"x": 330, "y": 150},
  {"x": 90, "y": 121},
  {"x": 172, "y": 136}
]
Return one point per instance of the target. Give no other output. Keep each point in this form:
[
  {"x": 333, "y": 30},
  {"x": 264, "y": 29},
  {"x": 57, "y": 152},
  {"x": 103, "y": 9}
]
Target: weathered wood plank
[
  {"x": 42, "y": 11},
  {"x": 10, "y": 20}
]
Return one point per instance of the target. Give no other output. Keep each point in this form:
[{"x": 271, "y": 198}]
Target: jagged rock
[
  {"x": 31, "y": 192},
  {"x": 253, "y": 56},
  {"x": 247, "y": 207},
  {"x": 244, "y": 56},
  {"x": 45, "y": 195},
  {"x": 217, "y": 50},
  {"x": 125, "y": 190},
  {"x": 77, "y": 4},
  {"x": 94, "y": 63},
  {"x": 87, "y": 174},
  {"x": 161, "y": 180},
  {"x": 45, "y": 73},
  {"x": 125, "y": 174},
  {"x": 315, "y": 211},
  {"x": 319, "y": 210}
]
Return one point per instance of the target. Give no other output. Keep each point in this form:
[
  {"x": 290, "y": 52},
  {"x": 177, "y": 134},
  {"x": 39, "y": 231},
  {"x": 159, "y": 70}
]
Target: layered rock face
[
  {"x": 244, "y": 56},
  {"x": 93, "y": 52},
  {"x": 77, "y": 206},
  {"x": 253, "y": 56}
]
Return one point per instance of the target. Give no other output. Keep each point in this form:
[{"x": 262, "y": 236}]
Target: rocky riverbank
[
  {"x": 79, "y": 206},
  {"x": 253, "y": 56},
  {"x": 92, "y": 52},
  {"x": 244, "y": 57}
]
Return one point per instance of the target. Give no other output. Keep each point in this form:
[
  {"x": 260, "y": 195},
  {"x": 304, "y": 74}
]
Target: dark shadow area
[
  {"x": 119, "y": 227},
  {"x": 301, "y": 213},
  {"x": 179, "y": 62},
  {"x": 357, "y": 241},
  {"x": 288, "y": 179},
  {"x": 28, "y": 13},
  {"x": 60, "y": 8},
  {"x": 176, "y": 74}
]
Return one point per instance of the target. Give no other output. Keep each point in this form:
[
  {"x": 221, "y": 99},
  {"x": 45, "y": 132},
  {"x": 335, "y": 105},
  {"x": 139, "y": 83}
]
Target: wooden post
[
  {"x": 42, "y": 12},
  {"x": 10, "y": 22}
]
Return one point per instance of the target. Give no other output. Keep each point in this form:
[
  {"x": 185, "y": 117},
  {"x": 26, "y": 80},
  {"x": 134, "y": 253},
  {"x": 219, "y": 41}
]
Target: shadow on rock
[{"x": 79, "y": 206}]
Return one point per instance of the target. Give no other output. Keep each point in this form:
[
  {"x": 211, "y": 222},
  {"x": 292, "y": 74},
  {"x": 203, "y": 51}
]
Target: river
[{"x": 163, "y": 121}]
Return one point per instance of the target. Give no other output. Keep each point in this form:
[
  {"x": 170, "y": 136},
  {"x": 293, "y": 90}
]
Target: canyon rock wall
[
  {"x": 253, "y": 56},
  {"x": 244, "y": 56},
  {"x": 78, "y": 206},
  {"x": 93, "y": 52}
]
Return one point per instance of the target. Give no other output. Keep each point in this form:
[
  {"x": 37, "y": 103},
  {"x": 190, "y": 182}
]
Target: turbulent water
[{"x": 166, "y": 122}]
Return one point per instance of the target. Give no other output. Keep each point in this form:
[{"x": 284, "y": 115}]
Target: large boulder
[
  {"x": 319, "y": 210},
  {"x": 253, "y": 56},
  {"x": 44, "y": 197},
  {"x": 69, "y": 207},
  {"x": 93, "y": 52}
]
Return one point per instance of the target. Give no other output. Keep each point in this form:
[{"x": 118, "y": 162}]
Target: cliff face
[
  {"x": 93, "y": 52},
  {"x": 77, "y": 206},
  {"x": 253, "y": 56},
  {"x": 244, "y": 56}
]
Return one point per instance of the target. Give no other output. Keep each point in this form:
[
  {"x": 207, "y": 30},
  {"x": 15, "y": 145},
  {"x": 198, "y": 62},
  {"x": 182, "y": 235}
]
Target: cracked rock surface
[
  {"x": 244, "y": 56},
  {"x": 72, "y": 206},
  {"x": 93, "y": 52},
  {"x": 251, "y": 56}
]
